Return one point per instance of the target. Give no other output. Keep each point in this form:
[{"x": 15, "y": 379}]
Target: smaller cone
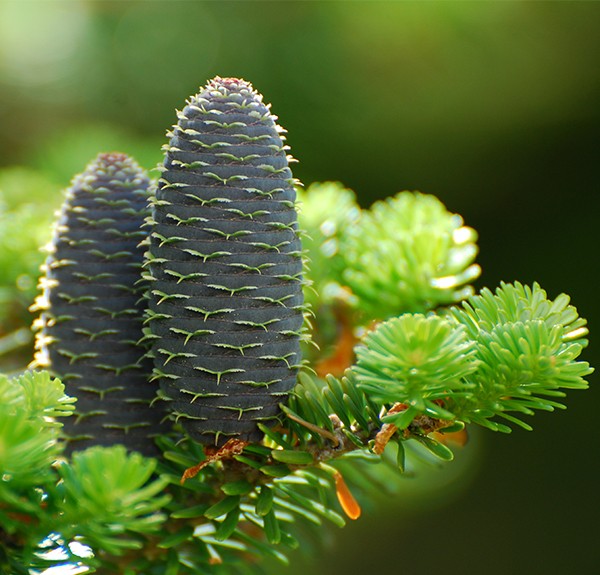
[{"x": 91, "y": 311}]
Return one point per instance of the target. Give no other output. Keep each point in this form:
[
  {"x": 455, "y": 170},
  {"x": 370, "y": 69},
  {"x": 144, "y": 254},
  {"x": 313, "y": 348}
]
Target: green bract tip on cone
[
  {"x": 225, "y": 264},
  {"x": 91, "y": 314}
]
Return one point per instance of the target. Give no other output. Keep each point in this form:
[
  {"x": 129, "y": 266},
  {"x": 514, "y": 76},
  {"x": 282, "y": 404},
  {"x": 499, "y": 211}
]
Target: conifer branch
[{"x": 257, "y": 443}]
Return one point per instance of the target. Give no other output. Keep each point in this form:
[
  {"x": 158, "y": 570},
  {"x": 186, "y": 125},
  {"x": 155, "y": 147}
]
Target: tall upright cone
[
  {"x": 226, "y": 304},
  {"x": 91, "y": 312}
]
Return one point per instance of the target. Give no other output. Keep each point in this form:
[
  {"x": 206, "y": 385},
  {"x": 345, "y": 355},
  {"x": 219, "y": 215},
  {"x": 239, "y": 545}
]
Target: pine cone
[
  {"x": 226, "y": 304},
  {"x": 92, "y": 313}
]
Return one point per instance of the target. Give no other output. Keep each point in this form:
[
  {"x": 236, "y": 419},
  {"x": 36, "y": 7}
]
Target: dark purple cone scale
[
  {"x": 226, "y": 305},
  {"x": 92, "y": 311}
]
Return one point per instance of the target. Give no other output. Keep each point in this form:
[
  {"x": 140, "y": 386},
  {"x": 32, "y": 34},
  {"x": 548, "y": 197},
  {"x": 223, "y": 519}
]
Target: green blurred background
[{"x": 491, "y": 106}]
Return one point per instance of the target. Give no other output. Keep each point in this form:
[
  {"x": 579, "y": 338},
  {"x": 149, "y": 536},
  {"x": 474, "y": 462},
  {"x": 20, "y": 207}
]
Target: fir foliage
[
  {"x": 326, "y": 212},
  {"x": 28, "y": 448},
  {"x": 27, "y": 204},
  {"x": 109, "y": 498},
  {"x": 415, "y": 360},
  {"x": 527, "y": 346},
  {"x": 409, "y": 254},
  {"x": 104, "y": 498}
]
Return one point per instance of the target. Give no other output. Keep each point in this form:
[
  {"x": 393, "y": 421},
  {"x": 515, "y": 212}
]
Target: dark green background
[{"x": 491, "y": 106}]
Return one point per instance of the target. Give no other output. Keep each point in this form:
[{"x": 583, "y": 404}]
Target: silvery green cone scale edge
[
  {"x": 91, "y": 313},
  {"x": 225, "y": 267}
]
